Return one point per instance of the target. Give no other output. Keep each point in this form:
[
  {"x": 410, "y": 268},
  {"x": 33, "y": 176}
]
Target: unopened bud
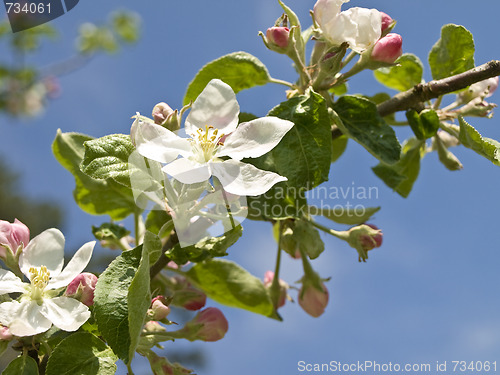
[
  {"x": 388, "y": 49},
  {"x": 14, "y": 236},
  {"x": 387, "y": 21},
  {"x": 82, "y": 288},
  {"x": 189, "y": 298},
  {"x": 5, "y": 334},
  {"x": 159, "y": 309},
  {"x": 312, "y": 299},
  {"x": 278, "y": 36},
  {"x": 162, "y": 366},
  {"x": 364, "y": 238},
  {"x": 165, "y": 116},
  {"x": 213, "y": 327},
  {"x": 268, "y": 281}
]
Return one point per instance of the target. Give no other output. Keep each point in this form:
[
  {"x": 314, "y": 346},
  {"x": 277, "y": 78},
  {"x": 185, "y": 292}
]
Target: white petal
[
  {"x": 23, "y": 318},
  {"x": 325, "y": 10},
  {"x": 368, "y": 28},
  {"x": 244, "y": 179},
  {"x": 255, "y": 138},
  {"x": 46, "y": 249},
  {"x": 216, "y": 106},
  {"x": 10, "y": 283},
  {"x": 160, "y": 144},
  {"x": 187, "y": 171},
  {"x": 75, "y": 266},
  {"x": 65, "y": 313}
]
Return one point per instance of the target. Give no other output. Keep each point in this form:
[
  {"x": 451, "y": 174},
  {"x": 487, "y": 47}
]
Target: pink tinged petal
[
  {"x": 46, "y": 249},
  {"x": 157, "y": 143},
  {"x": 65, "y": 313},
  {"x": 187, "y": 171},
  {"x": 20, "y": 233},
  {"x": 74, "y": 267},
  {"x": 10, "y": 283},
  {"x": 255, "y": 138},
  {"x": 23, "y": 318},
  {"x": 244, "y": 179},
  {"x": 216, "y": 106}
]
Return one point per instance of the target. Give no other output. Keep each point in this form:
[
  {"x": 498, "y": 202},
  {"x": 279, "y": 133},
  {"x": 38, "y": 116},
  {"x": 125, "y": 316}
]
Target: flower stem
[
  {"x": 275, "y": 285},
  {"x": 341, "y": 235},
  {"x": 282, "y": 82}
]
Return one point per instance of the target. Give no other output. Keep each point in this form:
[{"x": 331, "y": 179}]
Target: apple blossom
[
  {"x": 39, "y": 305},
  {"x": 388, "y": 49},
  {"x": 360, "y": 27},
  {"x": 213, "y": 115},
  {"x": 13, "y": 236}
]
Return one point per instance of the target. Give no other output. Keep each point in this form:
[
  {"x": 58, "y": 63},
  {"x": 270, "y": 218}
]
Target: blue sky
[{"x": 430, "y": 293}]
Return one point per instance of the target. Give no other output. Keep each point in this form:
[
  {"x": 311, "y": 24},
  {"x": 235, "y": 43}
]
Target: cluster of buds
[{"x": 82, "y": 288}]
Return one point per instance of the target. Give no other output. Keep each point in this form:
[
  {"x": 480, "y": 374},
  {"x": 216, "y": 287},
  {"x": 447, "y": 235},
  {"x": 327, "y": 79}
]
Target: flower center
[
  {"x": 39, "y": 278},
  {"x": 205, "y": 143}
]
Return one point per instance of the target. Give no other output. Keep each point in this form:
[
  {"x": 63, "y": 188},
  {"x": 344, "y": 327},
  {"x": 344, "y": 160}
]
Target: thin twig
[{"x": 163, "y": 259}]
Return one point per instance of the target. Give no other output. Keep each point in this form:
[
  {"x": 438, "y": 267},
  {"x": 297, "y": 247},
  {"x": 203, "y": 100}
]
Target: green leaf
[
  {"x": 339, "y": 145},
  {"x": 470, "y": 138},
  {"x": 403, "y": 76},
  {"x": 308, "y": 143},
  {"x": 229, "y": 284},
  {"x": 359, "y": 119},
  {"x": 345, "y": 215},
  {"x": 280, "y": 202},
  {"x": 308, "y": 239},
  {"x": 110, "y": 232},
  {"x": 453, "y": 53},
  {"x": 401, "y": 176},
  {"x": 424, "y": 124},
  {"x": 82, "y": 353},
  {"x": 155, "y": 221},
  {"x": 206, "y": 248},
  {"x": 107, "y": 157},
  {"x": 23, "y": 365},
  {"x": 240, "y": 70},
  {"x": 121, "y": 300},
  {"x": 96, "y": 197}
]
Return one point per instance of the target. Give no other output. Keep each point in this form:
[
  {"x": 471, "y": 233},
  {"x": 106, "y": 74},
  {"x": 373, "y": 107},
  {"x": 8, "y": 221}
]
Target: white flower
[
  {"x": 214, "y": 133},
  {"x": 360, "y": 27},
  {"x": 39, "y": 306}
]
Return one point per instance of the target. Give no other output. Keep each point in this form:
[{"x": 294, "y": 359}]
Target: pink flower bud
[
  {"x": 161, "y": 112},
  {"x": 268, "y": 281},
  {"x": 5, "y": 334},
  {"x": 189, "y": 298},
  {"x": 159, "y": 309},
  {"x": 388, "y": 48},
  {"x": 386, "y": 21},
  {"x": 14, "y": 236},
  {"x": 278, "y": 36},
  {"x": 162, "y": 366},
  {"x": 214, "y": 323},
  {"x": 370, "y": 242},
  {"x": 82, "y": 288},
  {"x": 313, "y": 300}
]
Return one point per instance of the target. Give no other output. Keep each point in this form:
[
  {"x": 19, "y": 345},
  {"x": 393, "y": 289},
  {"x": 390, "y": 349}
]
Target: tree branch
[
  {"x": 163, "y": 259},
  {"x": 423, "y": 92}
]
